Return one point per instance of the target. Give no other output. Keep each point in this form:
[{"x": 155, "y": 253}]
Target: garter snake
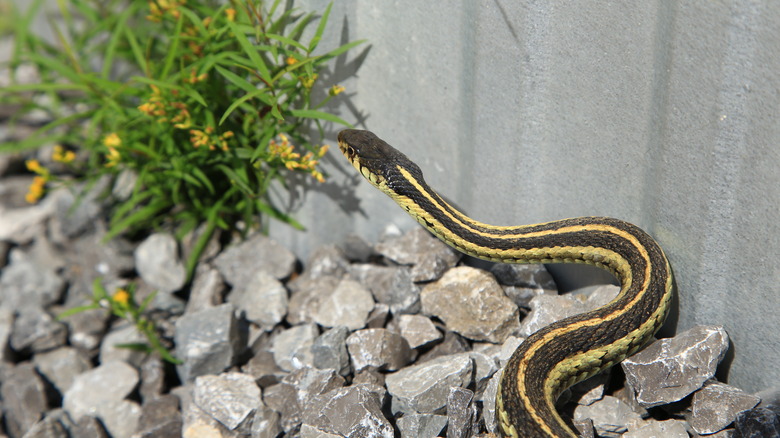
[{"x": 565, "y": 352}]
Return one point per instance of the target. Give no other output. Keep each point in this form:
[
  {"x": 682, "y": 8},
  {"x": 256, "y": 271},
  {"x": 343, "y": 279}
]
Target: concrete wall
[{"x": 661, "y": 113}]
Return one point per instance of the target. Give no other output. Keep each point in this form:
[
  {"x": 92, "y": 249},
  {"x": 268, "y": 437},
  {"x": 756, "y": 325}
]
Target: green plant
[
  {"x": 204, "y": 103},
  {"x": 122, "y": 304}
]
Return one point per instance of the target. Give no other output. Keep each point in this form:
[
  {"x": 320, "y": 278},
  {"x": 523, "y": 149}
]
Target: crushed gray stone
[
  {"x": 402, "y": 338},
  {"x": 379, "y": 349},
  {"x": 208, "y": 342},
  {"x": 670, "y": 369},
  {"x": 230, "y": 398},
  {"x": 424, "y": 388},
  {"x": 238, "y": 263},
  {"x": 158, "y": 264},
  {"x": 471, "y": 303},
  {"x": 349, "y": 305}
]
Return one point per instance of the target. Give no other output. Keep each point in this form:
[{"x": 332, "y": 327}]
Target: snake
[{"x": 567, "y": 351}]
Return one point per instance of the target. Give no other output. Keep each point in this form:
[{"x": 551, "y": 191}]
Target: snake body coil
[{"x": 567, "y": 351}]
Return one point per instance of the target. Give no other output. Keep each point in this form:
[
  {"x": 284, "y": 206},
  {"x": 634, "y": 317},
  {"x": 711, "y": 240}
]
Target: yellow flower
[
  {"x": 60, "y": 155},
  {"x": 112, "y": 140},
  {"x": 308, "y": 82},
  {"x": 121, "y": 297},
  {"x": 336, "y": 90},
  {"x": 112, "y": 157},
  {"x": 291, "y": 60},
  {"x": 34, "y": 166},
  {"x": 35, "y": 192},
  {"x": 231, "y": 14}
]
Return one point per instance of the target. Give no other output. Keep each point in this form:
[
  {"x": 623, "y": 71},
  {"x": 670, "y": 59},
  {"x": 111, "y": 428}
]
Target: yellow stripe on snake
[{"x": 567, "y": 351}]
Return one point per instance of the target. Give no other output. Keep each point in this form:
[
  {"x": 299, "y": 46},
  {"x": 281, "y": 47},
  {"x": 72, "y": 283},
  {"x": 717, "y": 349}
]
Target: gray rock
[
  {"x": 6, "y": 326},
  {"x": 101, "y": 392},
  {"x": 453, "y": 343},
  {"x": 88, "y": 427},
  {"x": 378, "y": 317},
  {"x": 758, "y": 422},
  {"x": 352, "y": 412},
  {"x": 266, "y": 423},
  {"x": 484, "y": 368},
  {"x": 262, "y": 300},
  {"x": 670, "y": 369},
  {"x": 534, "y": 277},
  {"x": 120, "y": 417},
  {"x": 356, "y": 249},
  {"x": 86, "y": 328},
  {"x": 488, "y": 399},
  {"x": 461, "y": 414},
  {"x": 25, "y": 283},
  {"x": 716, "y": 405},
  {"x": 653, "y": 428},
  {"x": 48, "y": 427},
  {"x": 471, "y": 302},
  {"x": 328, "y": 260},
  {"x": 206, "y": 290},
  {"x": 424, "y": 388},
  {"x": 347, "y": 305},
  {"x": 230, "y": 397},
  {"x": 160, "y": 418},
  {"x": 123, "y": 333},
  {"x": 283, "y": 399},
  {"x": 89, "y": 257},
  {"x": 292, "y": 347},
  {"x": 24, "y": 398},
  {"x": 610, "y": 416},
  {"x": 329, "y": 350},
  {"x": 429, "y": 256},
  {"x": 306, "y": 296},
  {"x": 208, "y": 342},
  {"x": 310, "y": 382},
  {"x": 78, "y": 208},
  {"x": 592, "y": 389},
  {"x": 152, "y": 379},
  {"x": 61, "y": 366},
  {"x": 421, "y": 425},
  {"x": 264, "y": 369},
  {"x": 157, "y": 262},
  {"x": 313, "y": 432},
  {"x": 546, "y": 309},
  {"x": 258, "y": 252},
  {"x": 378, "y": 348},
  {"x": 418, "y": 330},
  {"x": 389, "y": 285},
  {"x": 36, "y": 330}
]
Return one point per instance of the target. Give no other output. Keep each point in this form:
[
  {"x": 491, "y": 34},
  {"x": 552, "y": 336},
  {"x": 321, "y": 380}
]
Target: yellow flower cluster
[
  {"x": 112, "y": 142},
  {"x": 157, "y": 106},
  {"x": 60, "y": 155},
  {"x": 158, "y": 8},
  {"x": 206, "y": 137},
  {"x": 121, "y": 297},
  {"x": 35, "y": 191},
  {"x": 308, "y": 81},
  {"x": 336, "y": 90},
  {"x": 284, "y": 151}
]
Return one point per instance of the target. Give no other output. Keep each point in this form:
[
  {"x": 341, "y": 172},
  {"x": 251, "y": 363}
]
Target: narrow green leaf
[
  {"x": 285, "y": 40},
  {"x": 251, "y": 52},
  {"x": 236, "y": 79},
  {"x": 138, "y": 54},
  {"x": 320, "y": 29}
]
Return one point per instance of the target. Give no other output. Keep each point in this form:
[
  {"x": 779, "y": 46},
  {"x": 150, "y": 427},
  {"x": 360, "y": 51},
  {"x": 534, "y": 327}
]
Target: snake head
[{"x": 381, "y": 164}]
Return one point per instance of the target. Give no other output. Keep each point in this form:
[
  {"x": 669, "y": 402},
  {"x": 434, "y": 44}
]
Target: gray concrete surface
[{"x": 661, "y": 113}]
